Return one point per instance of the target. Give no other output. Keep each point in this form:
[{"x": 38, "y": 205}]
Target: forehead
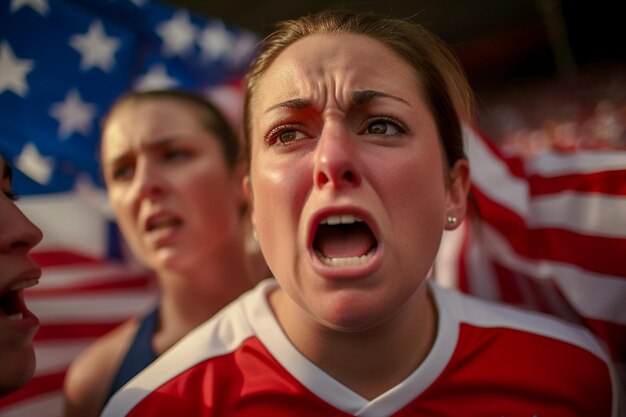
[
  {"x": 142, "y": 121},
  {"x": 340, "y": 62}
]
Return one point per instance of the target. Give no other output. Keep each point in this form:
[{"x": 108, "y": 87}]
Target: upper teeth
[
  {"x": 16, "y": 316},
  {"x": 342, "y": 219}
]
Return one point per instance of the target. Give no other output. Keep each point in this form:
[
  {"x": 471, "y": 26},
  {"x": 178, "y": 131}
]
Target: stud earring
[{"x": 451, "y": 220}]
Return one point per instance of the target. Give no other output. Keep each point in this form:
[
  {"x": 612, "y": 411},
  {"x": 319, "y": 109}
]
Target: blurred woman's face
[
  {"x": 17, "y": 272},
  {"x": 347, "y": 179},
  {"x": 174, "y": 197}
]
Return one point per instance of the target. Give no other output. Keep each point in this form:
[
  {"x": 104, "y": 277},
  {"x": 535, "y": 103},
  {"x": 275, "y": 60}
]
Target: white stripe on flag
[
  {"x": 104, "y": 307},
  {"x": 68, "y": 223},
  {"x": 493, "y": 177},
  {"x": 68, "y": 276},
  {"x": 593, "y": 295},
  {"x": 584, "y": 213},
  {"x": 554, "y": 164},
  {"x": 55, "y": 356}
]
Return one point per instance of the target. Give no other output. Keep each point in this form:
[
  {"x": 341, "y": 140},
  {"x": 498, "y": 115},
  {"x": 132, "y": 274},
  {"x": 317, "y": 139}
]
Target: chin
[{"x": 352, "y": 315}]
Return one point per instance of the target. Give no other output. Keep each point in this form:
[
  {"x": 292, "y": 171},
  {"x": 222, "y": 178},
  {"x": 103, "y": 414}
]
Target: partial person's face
[
  {"x": 17, "y": 272},
  {"x": 173, "y": 195},
  {"x": 347, "y": 180}
]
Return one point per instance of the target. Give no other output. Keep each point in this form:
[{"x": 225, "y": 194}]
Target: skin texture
[
  {"x": 178, "y": 205},
  {"x": 322, "y": 146},
  {"x": 18, "y": 236},
  {"x": 169, "y": 166}
]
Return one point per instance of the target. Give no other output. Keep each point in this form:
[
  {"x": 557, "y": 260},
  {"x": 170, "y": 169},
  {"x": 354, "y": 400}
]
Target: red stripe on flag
[
  {"x": 39, "y": 385},
  {"x": 603, "y": 255},
  {"x": 61, "y": 258},
  {"x": 605, "y": 182},
  {"x": 613, "y": 334},
  {"x": 85, "y": 330}
]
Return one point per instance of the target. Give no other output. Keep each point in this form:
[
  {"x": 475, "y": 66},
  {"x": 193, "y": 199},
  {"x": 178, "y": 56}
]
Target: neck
[
  {"x": 191, "y": 297},
  {"x": 373, "y": 361}
]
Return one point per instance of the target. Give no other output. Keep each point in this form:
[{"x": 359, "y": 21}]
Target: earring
[{"x": 451, "y": 220}]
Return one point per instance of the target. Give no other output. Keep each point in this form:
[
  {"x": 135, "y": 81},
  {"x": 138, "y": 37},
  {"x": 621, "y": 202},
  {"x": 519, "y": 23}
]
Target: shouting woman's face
[{"x": 348, "y": 185}]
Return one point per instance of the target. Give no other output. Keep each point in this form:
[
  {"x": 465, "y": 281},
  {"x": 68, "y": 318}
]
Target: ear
[{"x": 458, "y": 190}]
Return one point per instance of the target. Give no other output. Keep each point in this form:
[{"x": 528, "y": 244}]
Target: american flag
[
  {"x": 62, "y": 63},
  {"x": 551, "y": 236}
]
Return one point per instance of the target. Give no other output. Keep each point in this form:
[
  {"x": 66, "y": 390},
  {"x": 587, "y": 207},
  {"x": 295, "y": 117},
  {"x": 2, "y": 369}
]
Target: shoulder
[
  {"x": 486, "y": 314},
  {"x": 527, "y": 351},
  {"x": 204, "y": 354},
  {"x": 90, "y": 375}
]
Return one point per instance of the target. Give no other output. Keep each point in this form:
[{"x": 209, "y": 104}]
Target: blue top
[{"x": 139, "y": 355}]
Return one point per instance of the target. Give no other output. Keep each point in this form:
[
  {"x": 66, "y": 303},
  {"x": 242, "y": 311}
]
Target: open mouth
[
  {"x": 163, "y": 223},
  {"x": 344, "y": 240},
  {"x": 12, "y": 304}
]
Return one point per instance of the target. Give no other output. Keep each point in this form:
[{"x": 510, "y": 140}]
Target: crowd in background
[{"x": 589, "y": 114}]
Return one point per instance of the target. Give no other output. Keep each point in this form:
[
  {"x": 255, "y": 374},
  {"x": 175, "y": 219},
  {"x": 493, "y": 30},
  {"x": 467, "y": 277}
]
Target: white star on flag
[
  {"x": 178, "y": 34},
  {"x": 40, "y": 6},
  {"x": 215, "y": 41},
  {"x": 34, "y": 165},
  {"x": 13, "y": 71},
  {"x": 96, "y": 48},
  {"x": 73, "y": 114},
  {"x": 156, "y": 79}
]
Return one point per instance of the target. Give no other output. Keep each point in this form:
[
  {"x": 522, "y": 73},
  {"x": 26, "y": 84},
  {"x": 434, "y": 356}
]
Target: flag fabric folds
[
  {"x": 62, "y": 63},
  {"x": 550, "y": 235}
]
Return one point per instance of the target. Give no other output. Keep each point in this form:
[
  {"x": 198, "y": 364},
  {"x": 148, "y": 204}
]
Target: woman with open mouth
[
  {"x": 354, "y": 130},
  {"x": 18, "y": 271}
]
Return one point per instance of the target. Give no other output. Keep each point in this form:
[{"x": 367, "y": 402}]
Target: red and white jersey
[{"x": 487, "y": 360}]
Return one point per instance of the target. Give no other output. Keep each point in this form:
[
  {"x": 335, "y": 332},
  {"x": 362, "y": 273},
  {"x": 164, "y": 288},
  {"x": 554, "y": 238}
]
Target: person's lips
[
  {"x": 13, "y": 310},
  {"x": 344, "y": 240},
  {"x": 162, "y": 220},
  {"x": 344, "y": 243}
]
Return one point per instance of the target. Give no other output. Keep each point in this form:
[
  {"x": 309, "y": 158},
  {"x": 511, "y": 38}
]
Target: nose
[
  {"x": 335, "y": 157},
  {"x": 17, "y": 233},
  {"x": 147, "y": 182}
]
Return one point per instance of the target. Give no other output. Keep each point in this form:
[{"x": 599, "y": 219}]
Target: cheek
[
  {"x": 416, "y": 197},
  {"x": 278, "y": 197},
  {"x": 122, "y": 210}
]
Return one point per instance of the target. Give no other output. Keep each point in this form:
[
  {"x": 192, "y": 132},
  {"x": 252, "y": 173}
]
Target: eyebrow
[
  {"x": 159, "y": 144},
  {"x": 296, "y": 104},
  {"x": 363, "y": 97},
  {"x": 359, "y": 98}
]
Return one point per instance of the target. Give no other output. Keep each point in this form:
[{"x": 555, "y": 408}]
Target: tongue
[{"x": 344, "y": 241}]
